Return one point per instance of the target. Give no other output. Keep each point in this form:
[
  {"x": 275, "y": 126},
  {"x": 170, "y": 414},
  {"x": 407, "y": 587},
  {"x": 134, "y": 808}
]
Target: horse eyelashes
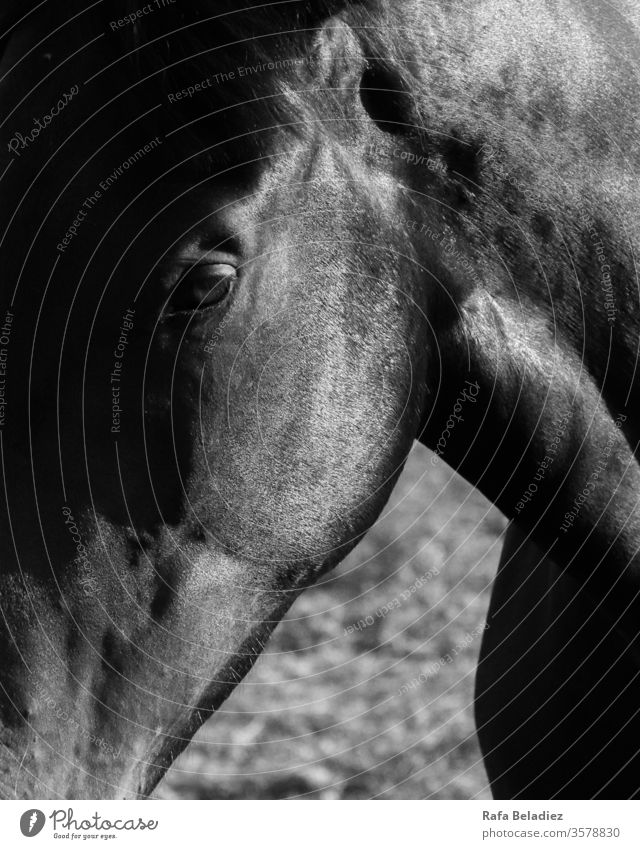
[{"x": 204, "y": 285}]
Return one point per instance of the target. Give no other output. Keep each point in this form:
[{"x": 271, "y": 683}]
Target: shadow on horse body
[{"x": 232, "y": 308}]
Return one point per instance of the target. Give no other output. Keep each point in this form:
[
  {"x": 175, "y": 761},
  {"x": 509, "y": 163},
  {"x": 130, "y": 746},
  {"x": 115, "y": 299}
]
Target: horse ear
[
  {"x": 339, "y": 55},
  {"x": 347, "y": 60}
]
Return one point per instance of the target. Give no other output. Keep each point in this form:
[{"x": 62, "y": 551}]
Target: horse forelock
[
  {"x": 280, "y": 68},
  {"x": 233, "y": 55}
]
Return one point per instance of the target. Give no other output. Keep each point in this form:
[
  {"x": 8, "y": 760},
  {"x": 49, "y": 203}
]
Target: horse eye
[{"x": 203, "y": 286}]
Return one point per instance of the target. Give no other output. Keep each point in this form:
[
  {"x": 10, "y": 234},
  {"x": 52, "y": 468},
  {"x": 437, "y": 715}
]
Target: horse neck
[
  {"x": 547, "y": 221},
  {"x": 546, "y": 439}
]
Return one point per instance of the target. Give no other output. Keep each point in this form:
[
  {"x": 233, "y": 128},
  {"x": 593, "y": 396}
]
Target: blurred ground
[{"x": 335, "y": 710}]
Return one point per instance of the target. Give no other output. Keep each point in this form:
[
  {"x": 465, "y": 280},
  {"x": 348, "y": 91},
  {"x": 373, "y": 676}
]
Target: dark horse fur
[{"x": 177, "y": 466}]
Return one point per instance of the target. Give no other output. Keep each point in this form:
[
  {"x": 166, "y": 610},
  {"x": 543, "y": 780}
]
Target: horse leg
[{"x": 557, "y": 693}]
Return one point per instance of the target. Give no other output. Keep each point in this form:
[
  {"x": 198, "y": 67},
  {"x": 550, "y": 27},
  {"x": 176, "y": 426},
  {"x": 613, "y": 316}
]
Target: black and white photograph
[{"x": 319, "y": 374}]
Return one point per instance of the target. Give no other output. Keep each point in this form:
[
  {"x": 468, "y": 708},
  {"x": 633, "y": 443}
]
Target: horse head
[
  {"x": 248, "y": 256},
  {"x": 215, "y": 364}
]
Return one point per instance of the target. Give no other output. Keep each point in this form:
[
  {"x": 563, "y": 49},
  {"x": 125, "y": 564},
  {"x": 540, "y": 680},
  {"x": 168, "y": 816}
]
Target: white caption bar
[{"x": 320, "y": 825}]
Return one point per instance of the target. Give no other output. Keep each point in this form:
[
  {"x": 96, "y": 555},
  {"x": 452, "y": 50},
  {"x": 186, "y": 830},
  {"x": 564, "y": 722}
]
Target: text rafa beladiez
[{"x": 521, "y": 815}]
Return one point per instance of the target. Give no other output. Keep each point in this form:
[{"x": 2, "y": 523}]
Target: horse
[{"x": 250, "y": 254}]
